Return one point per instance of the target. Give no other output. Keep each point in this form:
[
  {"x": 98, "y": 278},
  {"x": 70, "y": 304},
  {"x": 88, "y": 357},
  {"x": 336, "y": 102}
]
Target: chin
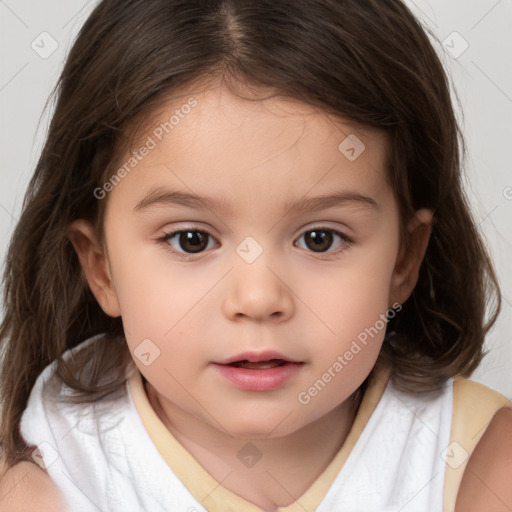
[{"x": 263, "y": 426}]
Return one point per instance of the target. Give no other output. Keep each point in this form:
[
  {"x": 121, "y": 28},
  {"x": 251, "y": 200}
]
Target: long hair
[{"x": 368, "y": 61}]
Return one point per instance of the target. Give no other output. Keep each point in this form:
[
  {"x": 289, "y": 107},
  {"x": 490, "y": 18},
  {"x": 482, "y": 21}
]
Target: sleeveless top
[{"x": 403, "y": 452}]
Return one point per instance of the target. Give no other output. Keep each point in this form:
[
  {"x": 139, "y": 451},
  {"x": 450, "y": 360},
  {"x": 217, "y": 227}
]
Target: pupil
[
  {"x": 193, "y": 241},
  {"x": 321, "y": 240}
]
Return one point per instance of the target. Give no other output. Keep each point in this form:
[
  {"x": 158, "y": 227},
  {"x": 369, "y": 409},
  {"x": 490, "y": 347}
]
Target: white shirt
[{"x": 102, "y": 458}]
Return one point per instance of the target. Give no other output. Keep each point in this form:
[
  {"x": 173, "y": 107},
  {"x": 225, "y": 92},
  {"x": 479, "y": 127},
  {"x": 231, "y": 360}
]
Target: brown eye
[
  {"x": 188, "y": 241},
  {"x": 322, "y": 240},
  {"x": 318, "y": 241}
]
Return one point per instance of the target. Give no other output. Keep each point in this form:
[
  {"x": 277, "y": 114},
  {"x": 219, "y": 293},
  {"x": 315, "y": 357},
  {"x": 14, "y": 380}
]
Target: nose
[{"x": 258, "y": 292}]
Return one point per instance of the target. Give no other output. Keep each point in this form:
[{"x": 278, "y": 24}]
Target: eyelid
[
  {"x": 343, "y": 229},
  {"x": 169, "y": 234},
  {"x": 347, "y": 240}
]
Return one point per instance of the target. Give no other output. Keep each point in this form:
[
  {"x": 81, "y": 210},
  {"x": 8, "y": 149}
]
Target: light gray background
[{"x": 481, "y": 75}]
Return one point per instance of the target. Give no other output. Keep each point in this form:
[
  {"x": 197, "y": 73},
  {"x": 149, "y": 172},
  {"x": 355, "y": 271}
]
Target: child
[{"x": 246, "y": 276}]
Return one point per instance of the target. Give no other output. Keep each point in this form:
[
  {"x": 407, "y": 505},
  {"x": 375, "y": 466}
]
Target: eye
[
  {"x": 188, "y": 241},
  {"x": 320, "y": 240}
]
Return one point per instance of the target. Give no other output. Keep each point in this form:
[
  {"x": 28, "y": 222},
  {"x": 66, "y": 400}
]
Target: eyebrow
[{"x": 161, "y": 197}]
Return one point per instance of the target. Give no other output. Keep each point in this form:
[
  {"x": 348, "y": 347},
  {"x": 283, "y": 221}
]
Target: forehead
[{"x": 212, "y": 140}]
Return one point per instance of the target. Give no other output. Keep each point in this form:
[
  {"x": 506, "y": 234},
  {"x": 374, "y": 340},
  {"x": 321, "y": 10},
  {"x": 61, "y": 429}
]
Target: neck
[{"x": 288, "y": 465}]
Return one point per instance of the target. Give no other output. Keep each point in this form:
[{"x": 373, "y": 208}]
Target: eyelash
[{"x": 346, "y": 241}]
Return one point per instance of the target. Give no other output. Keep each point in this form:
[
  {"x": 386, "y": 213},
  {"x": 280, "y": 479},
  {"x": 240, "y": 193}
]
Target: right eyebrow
[{"x": 159, "y": 196}]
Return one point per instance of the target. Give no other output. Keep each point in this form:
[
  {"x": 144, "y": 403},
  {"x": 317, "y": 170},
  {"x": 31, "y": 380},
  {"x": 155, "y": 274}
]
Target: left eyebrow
[
  {"x": 160, "y": 196},
  {"x": 337, "y": 199}
]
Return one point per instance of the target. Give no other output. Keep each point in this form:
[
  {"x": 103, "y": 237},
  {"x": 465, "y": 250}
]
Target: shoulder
[
  {"x": 54, "y": 409},
  {"x": 474, "y": 406},
  {"x": 486, "y": 484},
  {"x": 25, "y": 487},
  {"x": 469, "y": 395},
  {"x": 75, "y": 435}
]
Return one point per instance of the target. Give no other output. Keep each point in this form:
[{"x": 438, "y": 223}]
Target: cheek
[
  {"x": 352, "y": 310},
  {"x": 355, "y": 325},
  {"x": 353, "y": 296},
  {"x": 153, "y": 295},
  {"x": 165, "y": 303}
]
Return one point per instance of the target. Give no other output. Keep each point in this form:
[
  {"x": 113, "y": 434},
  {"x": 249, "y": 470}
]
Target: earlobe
[
  {"x": 412, "y": 252},
  {"x": 95, "y": 266}
]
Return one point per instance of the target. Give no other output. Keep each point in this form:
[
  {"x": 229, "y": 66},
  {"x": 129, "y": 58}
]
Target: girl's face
[{"x": 260, "y": 231}]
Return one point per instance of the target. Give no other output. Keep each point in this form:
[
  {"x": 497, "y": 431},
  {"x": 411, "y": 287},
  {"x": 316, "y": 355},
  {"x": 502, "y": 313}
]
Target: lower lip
[{"x": 259, "y": 380}]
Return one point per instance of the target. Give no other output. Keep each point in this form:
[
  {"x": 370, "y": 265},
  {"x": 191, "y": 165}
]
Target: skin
[
  {"x": 486, "y": 481},
  {"x": 256, "y": 156},
  {"x": 25, "y": 487}
]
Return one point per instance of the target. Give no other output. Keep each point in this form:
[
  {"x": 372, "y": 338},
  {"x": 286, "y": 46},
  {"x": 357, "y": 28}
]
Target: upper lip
[{"x": 256, "y": 357}]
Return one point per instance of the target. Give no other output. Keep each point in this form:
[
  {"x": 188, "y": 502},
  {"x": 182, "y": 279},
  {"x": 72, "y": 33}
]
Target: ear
[
  {"x": 407, "y": 267},
  {"x": 94, "y": 263}
]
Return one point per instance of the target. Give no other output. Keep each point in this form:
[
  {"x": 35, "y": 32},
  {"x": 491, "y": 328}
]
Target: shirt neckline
[{"x": 210, "y": 493}]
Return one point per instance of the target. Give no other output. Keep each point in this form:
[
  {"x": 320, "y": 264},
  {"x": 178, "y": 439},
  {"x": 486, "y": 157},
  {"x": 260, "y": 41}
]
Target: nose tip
[{"x": 254, "y": 290}]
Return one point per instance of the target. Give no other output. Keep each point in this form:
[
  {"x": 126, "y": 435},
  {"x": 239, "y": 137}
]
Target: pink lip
[
  {"x": 258, "y": 379},
  {"x": 256, "y": 357}
]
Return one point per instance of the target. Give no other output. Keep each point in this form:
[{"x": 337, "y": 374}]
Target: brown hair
[{"x": 368, "y": 61}]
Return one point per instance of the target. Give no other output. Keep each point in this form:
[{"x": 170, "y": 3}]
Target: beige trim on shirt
[
  {"x": 473, "y": 408},
  {"x": 474, "y": 405},
  {"x": 215, "y": 498}
]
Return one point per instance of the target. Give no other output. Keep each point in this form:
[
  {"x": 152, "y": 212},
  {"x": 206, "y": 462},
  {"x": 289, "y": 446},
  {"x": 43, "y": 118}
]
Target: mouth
[
  {"x": 267, "y": 357},
  {"x": 265, "y": 371},
  {"x": 260, "y": 365}
]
